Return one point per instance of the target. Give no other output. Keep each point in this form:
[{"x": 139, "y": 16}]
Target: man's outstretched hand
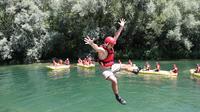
[
  {"x": 88, "y": 40},
  {"x": 122, "y": 22}
]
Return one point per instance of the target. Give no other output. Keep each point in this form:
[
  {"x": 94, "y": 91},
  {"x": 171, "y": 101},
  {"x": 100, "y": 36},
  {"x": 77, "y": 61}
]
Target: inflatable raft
[
  {"x": 121, "y": 72},
  {"x": 58, "y": 67},
  {"x": 192, "y": 72},
  {"x": 161, "y": 72},
  {"x": 86, "y": 66}
]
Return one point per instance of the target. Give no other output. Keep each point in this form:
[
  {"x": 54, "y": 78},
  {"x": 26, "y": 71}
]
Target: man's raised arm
[
  {"x": 90, "y": 41},
  {"x": 121, "y": 23}
]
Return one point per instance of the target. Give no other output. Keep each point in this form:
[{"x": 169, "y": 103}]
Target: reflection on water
[
  {"x": 86, "y": 72},
  {"x": 58, "y": 74},
  {"x": 123, "y": 73},
  {"x": 195, "y": 79},
  {"x": 157, "y": 77}
]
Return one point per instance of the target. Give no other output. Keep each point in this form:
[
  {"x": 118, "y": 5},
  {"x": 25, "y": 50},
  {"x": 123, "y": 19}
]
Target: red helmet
[{"x": 110, "y": 40}]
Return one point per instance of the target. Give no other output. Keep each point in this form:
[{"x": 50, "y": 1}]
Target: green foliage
[
  {"x": 42, "y": 29},
  {"x": 28, "y": 32}
]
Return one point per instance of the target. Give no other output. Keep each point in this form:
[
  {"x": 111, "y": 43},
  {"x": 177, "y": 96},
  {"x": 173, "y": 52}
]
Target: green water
[{"x": 33, "y": 88}]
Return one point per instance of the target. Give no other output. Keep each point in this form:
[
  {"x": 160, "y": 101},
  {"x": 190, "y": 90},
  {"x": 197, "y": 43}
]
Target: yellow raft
[
  {"x": 192, "y": 72},
  {"x": 161, "y": 72},
  {"x": 58, "y": 67},
  {"x": 124, "y": 72},
  {"x": 86, "y": 66}
]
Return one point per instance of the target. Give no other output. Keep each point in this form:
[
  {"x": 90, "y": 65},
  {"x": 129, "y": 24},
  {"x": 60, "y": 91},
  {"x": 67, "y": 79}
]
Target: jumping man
[{"x": 106, "y": 59}]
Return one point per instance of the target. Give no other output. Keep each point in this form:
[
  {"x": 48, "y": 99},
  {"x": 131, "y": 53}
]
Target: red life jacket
[
  {"x": 109, "y": 60},
  {"x": 175, "y": 70},
  {"x": 158, "y": 66},
  {"x": 198, "y": 70}
]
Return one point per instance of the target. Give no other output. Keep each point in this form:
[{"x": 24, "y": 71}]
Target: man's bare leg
[
  {"x": 129, "y": 68},
  {"x": 113, "y": 80}
]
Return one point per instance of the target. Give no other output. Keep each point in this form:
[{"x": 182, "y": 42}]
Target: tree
[{"x": 27, "y": 31}]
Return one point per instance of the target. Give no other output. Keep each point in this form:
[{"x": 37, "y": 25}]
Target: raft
[
  {"x": 86, "y": 66},
  {"x": 124, "y": 72},
  {"x": 58, "y": 67},
  {"x": 194, "y": 74},
  {"x": 161, "y": 72}
]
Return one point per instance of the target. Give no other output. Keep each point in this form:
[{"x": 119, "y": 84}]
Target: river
[{"x": 34, "y": 88}]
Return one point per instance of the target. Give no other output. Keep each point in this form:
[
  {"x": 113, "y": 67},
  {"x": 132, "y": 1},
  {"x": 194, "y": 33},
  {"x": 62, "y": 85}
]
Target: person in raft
[
  {"x": 157, "y": 67},
  {"x": 147, "y": 66},
  {"x": 130, "y": 62},
  {"x": 67, "y": 62},
  {"x": 197, "y": 70},
  {"x": 80, "y": 61},
  {"x": 174, "y": 69},
  {"x": 57, "y": 62},
  {"x": 106, "y": 59}
]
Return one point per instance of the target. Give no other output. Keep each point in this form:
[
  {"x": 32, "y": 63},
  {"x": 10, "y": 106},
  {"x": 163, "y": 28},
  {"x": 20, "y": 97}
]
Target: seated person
[
  {"x": 175, "y": 69},
  {"x": 130, "y": 62},
  {"x": 57, "y": 62},
  {"x": 85, "y": 62},
  {"x": 54, "y": 60},
  {"x": 80, "y": 61},
  {"x": 157, "y": 67},
  {"x": 197, "y": 69},
  {"x": 67, "y": 62},
  {"x": 89, "y": 60},
  {"x": 147, "y": 66},
  {"x": 119, "y": 61},
  {"x": 60, "y": 62}
]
